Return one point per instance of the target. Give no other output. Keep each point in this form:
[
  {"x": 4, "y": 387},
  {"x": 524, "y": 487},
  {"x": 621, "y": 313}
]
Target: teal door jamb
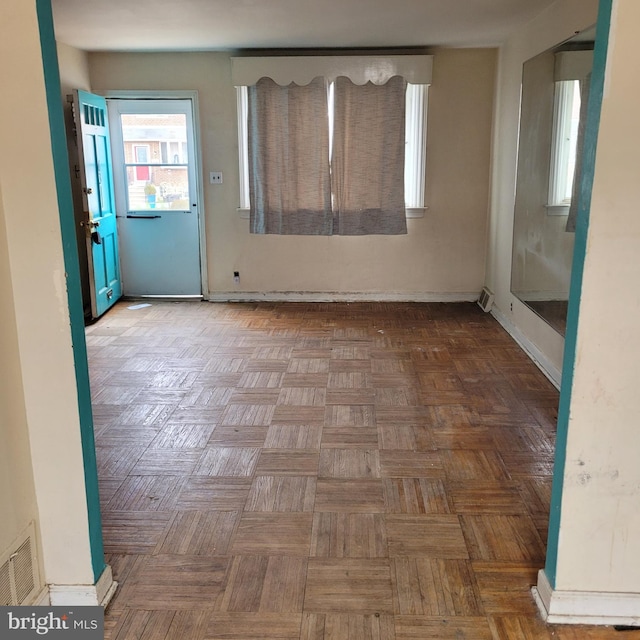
[
  {"x": 577, "y": 270},
  {"x": 74, "y": 290}
]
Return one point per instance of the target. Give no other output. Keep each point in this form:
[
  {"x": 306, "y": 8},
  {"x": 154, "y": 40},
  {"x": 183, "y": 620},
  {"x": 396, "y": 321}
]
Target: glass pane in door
[{"x": 156, "y": 161}]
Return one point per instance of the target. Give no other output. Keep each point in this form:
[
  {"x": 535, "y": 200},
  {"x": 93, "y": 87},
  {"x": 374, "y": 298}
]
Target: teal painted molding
[
  {"x": 72, "y": 268},
  {"x": 577, "y": 271}
]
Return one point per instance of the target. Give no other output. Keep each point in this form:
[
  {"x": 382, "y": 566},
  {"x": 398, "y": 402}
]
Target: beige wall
[
  {"x": 599, "y": 546},
  {"x": 39, "y": 415},
  {"x": 443, "y": 254},
  {"x": 74, "y": 69},
  {"x": 17, "y": 492},
  {"x": 559, "y": 22},
  {"x": 18, "y": 503}
]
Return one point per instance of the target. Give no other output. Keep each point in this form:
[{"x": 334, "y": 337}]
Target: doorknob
[{"x": 90, "y": 223}]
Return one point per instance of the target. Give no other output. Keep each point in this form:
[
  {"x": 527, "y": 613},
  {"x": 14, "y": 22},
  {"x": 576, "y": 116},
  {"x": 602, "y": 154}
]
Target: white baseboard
[
  {"x": 542, "y": 296},
  {"x": 338, "y": 296},
  {"x": 66, "y": 595},
  {"x": 586, "y": 607},
  {"x": 540, "y": 359}
]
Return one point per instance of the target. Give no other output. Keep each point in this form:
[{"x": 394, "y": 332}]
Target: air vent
[
  {"x": 486, "y": 299},
  {"x": 5, "y": 586},
  {"x": 19, "y": 579}
]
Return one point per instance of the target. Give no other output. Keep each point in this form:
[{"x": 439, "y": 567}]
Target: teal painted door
[{"x": 99, "y": 215}]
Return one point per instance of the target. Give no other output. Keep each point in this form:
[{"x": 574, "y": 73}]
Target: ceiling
[{"x": 169, "y": 25}]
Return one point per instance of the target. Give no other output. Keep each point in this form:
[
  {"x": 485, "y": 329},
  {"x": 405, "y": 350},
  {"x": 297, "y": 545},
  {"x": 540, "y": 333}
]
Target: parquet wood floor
[{"x": 321, "y": 471}]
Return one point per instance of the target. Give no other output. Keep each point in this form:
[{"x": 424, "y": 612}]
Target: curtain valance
[
  {"x": 573, "y": 65},
  {"x": 415, "y": 69}
]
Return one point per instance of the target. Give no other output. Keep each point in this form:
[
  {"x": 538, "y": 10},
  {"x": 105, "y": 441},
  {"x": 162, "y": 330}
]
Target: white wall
[
  {"x": 39, "y": 414},
  {"x": 443, "y": 253},
  {"x": 599, "y": 543},
  {"x": 559, "y": 22}
]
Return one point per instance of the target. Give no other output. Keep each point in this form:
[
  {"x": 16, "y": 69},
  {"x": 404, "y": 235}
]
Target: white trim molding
[
  {"x": 64, "y": 595},
  {"x": 543, "y": 363},
  {"x": 585, "y": 607},
  {"x": 338, "y": 296},
  {"x": 542, "y": 296}
]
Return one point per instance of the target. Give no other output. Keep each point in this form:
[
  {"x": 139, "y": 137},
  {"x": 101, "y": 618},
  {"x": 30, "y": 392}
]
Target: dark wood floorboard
[{"x": 310, "y": 471}]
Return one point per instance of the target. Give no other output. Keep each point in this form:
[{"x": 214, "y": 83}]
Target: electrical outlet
[
  {"x": 236, "y": 277},
  {"x": 215, "y": 177}
]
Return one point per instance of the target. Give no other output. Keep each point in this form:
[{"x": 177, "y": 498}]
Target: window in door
[{"x": 156, "y": 163}]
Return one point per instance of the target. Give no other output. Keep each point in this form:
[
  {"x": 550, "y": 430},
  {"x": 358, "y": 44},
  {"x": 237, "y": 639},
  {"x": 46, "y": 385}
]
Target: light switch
[{"x": 215, "y": 177}]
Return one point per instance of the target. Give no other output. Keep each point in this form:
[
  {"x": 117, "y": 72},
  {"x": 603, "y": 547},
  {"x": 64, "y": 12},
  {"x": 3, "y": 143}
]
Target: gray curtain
[
  {"x": 289, "y": 184},
  {"x": 367, "y": 166},
  {"x": 585, "y": 86}
]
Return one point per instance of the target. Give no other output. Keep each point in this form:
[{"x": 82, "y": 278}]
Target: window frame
[
  {"x": 563, "y": 146},
  {"x": 415, "y": 149}
]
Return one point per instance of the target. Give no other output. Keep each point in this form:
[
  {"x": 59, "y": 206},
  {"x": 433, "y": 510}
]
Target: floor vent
[
  {"x": 486, "y": 299},
  {"x": 19, "y": 580}
]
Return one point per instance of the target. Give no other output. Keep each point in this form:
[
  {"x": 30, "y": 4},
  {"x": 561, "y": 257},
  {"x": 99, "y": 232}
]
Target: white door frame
[{"x": 197, "y": 152}]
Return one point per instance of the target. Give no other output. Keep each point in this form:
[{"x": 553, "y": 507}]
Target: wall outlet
[
  {"x": 215, "y": 177},
  {"x": 236, "y": 277}
]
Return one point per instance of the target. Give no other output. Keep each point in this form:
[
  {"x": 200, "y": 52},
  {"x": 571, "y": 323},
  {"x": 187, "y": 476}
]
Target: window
[
  {"x": 416, "y": 69},
  {"x": 572, "y": 73},
  {"x": 155, "y": 160},
  {"x": 415, "y": 145},
  {"x": 566, "y": 121}
]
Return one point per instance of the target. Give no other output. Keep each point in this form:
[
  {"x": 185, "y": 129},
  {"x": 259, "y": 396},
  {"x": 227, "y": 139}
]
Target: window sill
[
  {"x": 558, "y": 209},
  {"x": 411, "y": 212}
]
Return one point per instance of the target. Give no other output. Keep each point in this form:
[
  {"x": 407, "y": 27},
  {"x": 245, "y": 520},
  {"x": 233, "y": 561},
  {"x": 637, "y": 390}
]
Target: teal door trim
[
  {"x": 577, "y": 271},
  {"x": 74, "y": 289}
]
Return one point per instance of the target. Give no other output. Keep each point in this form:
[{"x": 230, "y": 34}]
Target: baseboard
[
  {"x": 65, "y": 595},
  {"x": 338, "y": 296},
  {"x": 586, "y": 607},
  {"x": 42, "y": 599},
  {"x": 539, "y": 358},
  {"x": 542, "y": 296}
]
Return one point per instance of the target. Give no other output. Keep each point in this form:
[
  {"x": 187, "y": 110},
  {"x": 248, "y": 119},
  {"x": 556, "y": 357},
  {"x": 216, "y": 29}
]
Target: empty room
[{"x": 335, "y": 332}]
